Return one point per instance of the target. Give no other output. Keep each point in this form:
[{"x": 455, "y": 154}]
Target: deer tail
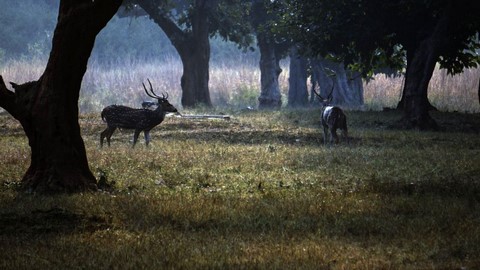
[{"x": 103, "y": 116}]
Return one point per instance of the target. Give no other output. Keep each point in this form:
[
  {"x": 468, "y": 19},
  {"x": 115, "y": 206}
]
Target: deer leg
[
  {"x": 102, "y": 136},
  {"x": 345, "y": 134},
  {"x": 135, "y": 136},
  {"x": 334, "y": 135},
  {"x": 147, "y": 137},
  {"x": 109, "y": 135},
  {"x": 108, "y": 132},
  {"x": 344, "y": 129},
  {"x": 325, "y": 133}
]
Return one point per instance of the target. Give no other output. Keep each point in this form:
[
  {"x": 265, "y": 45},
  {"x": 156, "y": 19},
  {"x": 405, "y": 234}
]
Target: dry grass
[
  {"x": 259, "y": 191},
  {"x": 235, "y": 83},
  {"x": 446, "y": 92}
]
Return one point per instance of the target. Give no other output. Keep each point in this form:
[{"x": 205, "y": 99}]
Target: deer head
[
  {"x": 325, "y": 101},
  {"x": 162, "y": 101}
]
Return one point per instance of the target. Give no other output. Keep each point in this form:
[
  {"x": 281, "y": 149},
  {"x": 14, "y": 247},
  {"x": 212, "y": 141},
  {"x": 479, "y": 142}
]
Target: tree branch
[
  {"x": 8, "y": 100},
  {"x": 171, "y": 29}
]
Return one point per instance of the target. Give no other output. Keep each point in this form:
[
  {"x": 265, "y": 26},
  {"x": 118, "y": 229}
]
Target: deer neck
[{"x": 160, "y": 112}]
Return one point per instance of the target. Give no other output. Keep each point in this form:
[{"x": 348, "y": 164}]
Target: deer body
[
  {"x": 333, "y": 118},
  {"x": 118, "y": 116}
]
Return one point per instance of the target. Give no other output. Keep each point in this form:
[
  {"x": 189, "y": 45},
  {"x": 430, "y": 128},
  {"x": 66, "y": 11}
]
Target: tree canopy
[{"x": 372, "y": 33}]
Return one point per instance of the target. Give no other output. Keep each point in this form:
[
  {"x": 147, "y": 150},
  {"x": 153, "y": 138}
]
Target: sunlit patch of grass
[{"x": 258, "y": 191}]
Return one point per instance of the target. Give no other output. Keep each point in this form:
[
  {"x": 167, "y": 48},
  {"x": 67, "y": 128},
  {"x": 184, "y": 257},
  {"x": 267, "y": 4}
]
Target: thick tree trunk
[
  {"x": 331, "y": 76},
  {"x": 270, "y": 97},
  {"x": 421, "y": 61},
  {"x": 415, "y": 95},
  {"x": 321, "y": 82},
  {"x": 49, "y": 106},
  {"x": 193, "y": 46},
  {"x": 195, "y": 55},
  {"x": 297, "y": 82},
  {"x": 355, "y": 84},
  {"x": 195, "y": 79}
]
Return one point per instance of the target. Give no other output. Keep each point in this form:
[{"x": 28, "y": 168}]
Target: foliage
[
  {"x": 264, "y": 17},
  {"x": 373, "y": 34},
  {"x": 30, "y": 36},
  {"x": 25, "y": 24},
  {"x": 259, "y": 191},
  {"x": 225, "y": 18},
  {"x": 131, "y": 38}
]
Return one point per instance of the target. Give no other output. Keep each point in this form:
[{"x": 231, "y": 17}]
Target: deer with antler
[
  {"x": 118, "y": 116},
  {"x": 333, "y": 118}
]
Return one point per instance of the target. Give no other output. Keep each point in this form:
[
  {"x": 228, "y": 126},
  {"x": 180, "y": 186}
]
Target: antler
[
  {"x": 331, "y": 92},
  {"x": 329, "y": 95},
  {"x": 146, "y": 91},
  {"x": 152, "y": 93}
]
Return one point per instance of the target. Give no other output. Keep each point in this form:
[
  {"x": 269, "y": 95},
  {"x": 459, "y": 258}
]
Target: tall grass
[{"x": 233, "y": 83}]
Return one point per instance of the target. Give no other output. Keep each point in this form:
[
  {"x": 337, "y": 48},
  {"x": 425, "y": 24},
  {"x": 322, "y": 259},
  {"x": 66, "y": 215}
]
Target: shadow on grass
[
  {"x": 465, "y": 185},
  {"x": 54, "y": 220}
]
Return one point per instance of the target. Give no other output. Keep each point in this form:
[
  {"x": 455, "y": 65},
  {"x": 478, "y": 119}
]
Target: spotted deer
[
  {"x": 333, "y": 118},
  {"x": 118, "y": 116}
]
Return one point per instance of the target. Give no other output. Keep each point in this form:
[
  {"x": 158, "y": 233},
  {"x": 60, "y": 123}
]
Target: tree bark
[
  {"x": 421, "y": 60},
  {"x": 48, "y": 108},
  {"x": 297, "y": 82},
  {"x": 195, "y": 55},
  {"x": 192, "y": 46},
  {"x": 347, "y": 88},
  {"x": 270, "y": 97}
]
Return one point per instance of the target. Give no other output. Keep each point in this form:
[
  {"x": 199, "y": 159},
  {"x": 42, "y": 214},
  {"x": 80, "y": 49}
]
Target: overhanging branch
[{"x": 171, "y": 29}]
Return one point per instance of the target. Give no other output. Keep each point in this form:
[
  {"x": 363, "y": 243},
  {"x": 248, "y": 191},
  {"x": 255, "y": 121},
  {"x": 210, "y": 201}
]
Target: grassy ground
[{"x": 258, "y": 191}]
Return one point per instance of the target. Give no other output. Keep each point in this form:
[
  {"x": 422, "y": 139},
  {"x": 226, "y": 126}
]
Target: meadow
[{"x": 258, "y": 191}]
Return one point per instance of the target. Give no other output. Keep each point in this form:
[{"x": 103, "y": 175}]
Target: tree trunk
[
  {"x": 270, "y": 97},
  {"x": 321, "y": 82},
  {"x": 195, "y": 55},
  {"x": 193, "y": 46},
  {"x": 421, "y": 61},
  {"x": 332, "y": 76},
  {"x": 297, "y": 82},
  {"x": 195, "y": 79},
  {"x": 48, "y": 108},
  {"x": 415, "y": 103},
  {"x": 478, "y": 91}
]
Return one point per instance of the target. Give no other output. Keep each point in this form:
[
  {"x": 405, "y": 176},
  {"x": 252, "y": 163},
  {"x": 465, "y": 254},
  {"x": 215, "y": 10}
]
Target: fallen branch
[{"x": 205, "y": 116}]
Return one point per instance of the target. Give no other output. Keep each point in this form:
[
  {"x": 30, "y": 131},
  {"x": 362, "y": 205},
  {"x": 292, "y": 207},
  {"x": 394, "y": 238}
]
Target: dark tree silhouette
[{"x": 48, "y": 108}]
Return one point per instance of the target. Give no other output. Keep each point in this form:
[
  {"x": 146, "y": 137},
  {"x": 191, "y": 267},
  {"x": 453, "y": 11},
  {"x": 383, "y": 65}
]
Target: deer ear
[{"x": 14, "y": 85}]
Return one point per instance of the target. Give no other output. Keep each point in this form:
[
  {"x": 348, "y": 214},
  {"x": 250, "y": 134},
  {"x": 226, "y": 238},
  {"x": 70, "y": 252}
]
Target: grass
[
  {"x": 233, "y": 83},
  {"x": 258, "y": 191}
]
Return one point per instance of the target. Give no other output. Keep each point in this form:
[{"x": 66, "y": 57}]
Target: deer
[
  {"x": 118, "y": 116},
  {"x": 333, "y": 118}
]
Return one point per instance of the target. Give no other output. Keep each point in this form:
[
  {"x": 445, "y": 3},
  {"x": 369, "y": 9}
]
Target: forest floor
[{"x": 258, "y": 191}]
